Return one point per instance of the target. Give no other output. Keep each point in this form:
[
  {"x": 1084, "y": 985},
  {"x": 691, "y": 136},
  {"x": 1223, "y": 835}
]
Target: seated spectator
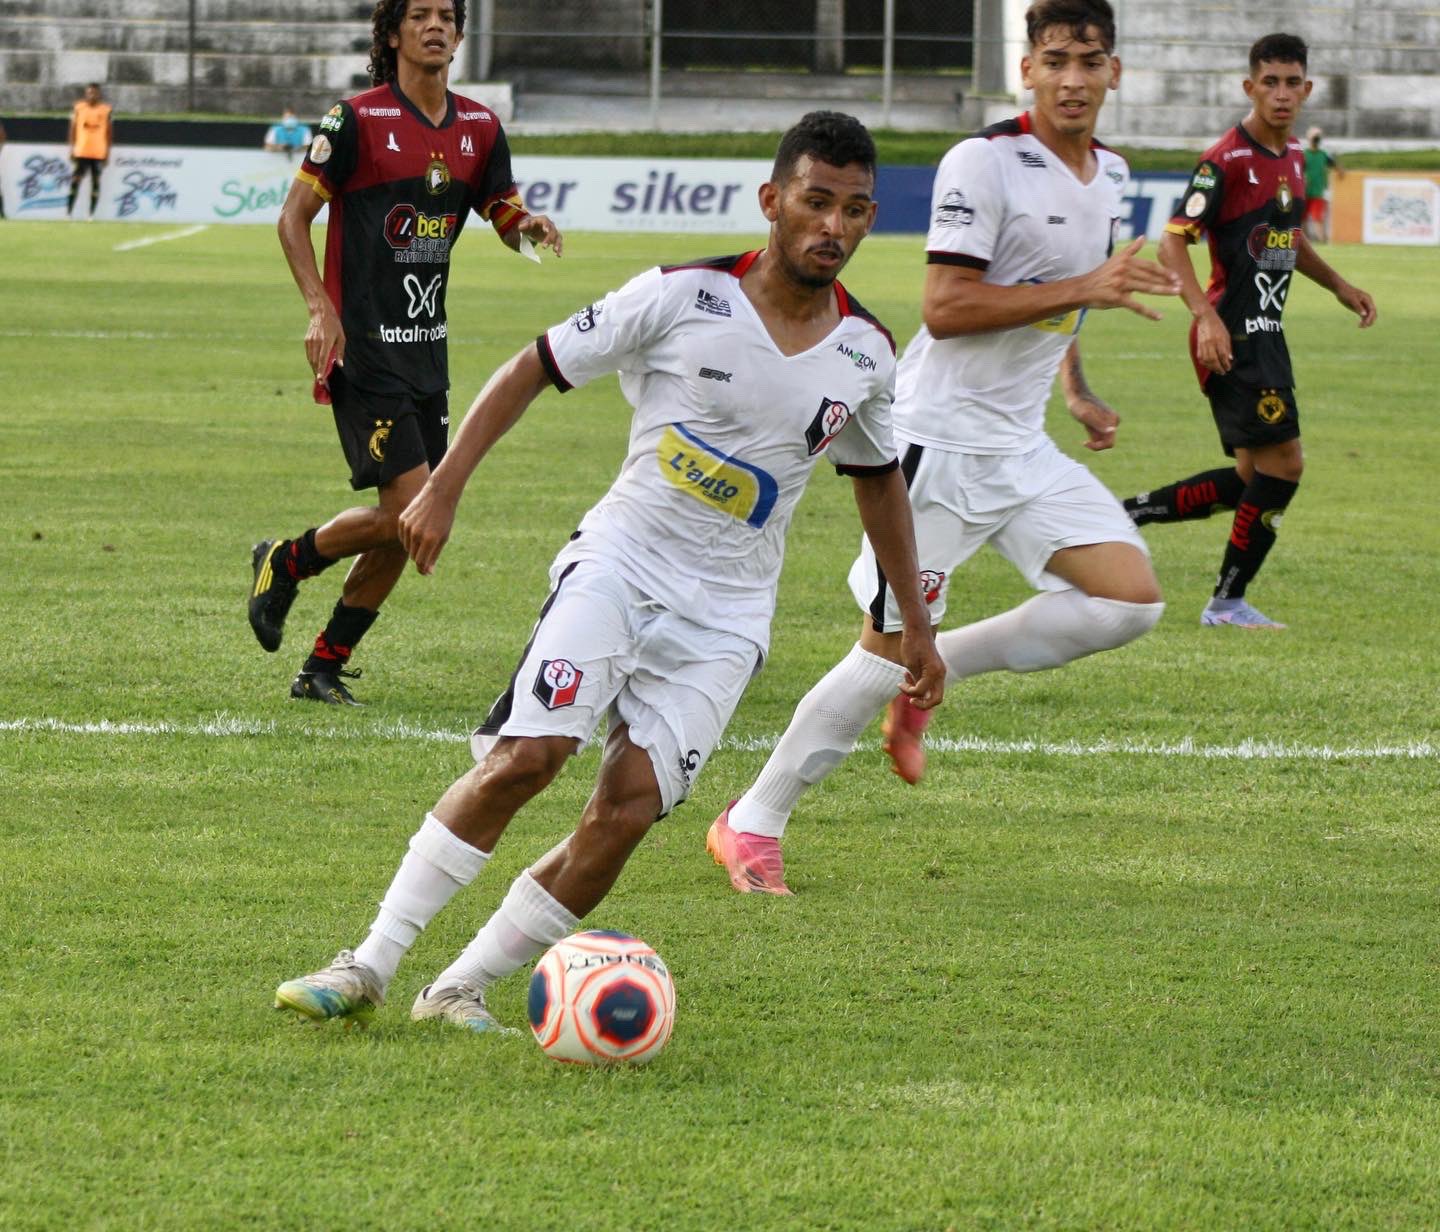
[{"x": 289, "y": 136}]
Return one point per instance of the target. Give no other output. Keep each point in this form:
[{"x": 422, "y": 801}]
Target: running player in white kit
[
  {"x": 742, "y": 371},
  {"x": 1021, "y": 243}
]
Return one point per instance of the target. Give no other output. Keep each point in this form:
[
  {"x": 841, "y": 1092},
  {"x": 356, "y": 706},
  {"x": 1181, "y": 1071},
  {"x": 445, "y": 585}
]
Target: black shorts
[
  {"x": 385, "y": 435},
  {"x": 1249, "y": 417},
  {"x": 90, "y": 166}
]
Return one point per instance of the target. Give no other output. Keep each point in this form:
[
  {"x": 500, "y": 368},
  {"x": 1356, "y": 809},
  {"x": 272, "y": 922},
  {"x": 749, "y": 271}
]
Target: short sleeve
[
  {"x": 610, "y": 334},
  {"x": 333, "y": 154},
  {"x": 867, "y": 444},
  {"x": 1200, "y": 203},
  {"x": 966, "y": 207}
]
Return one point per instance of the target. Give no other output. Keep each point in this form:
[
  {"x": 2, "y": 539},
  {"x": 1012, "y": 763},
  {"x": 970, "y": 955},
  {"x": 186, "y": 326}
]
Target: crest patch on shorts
[{"x": 557, "y": 683}]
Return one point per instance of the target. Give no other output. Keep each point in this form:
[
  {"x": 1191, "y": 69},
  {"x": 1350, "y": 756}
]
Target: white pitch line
[
  {"x": 223, "y": 726},
  {"x": 130, "y": 245}
]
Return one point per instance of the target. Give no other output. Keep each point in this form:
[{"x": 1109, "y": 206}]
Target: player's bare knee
[{"x": 521, "y": 766}]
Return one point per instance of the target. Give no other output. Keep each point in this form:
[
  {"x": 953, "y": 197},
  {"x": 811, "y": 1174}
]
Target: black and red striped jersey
[
  {"x": 1250, "y": 202},
  {"x": 399, "y": 190}
]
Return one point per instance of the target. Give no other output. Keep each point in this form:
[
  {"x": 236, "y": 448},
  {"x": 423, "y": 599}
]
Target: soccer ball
[{"x": 601, "y": 997}]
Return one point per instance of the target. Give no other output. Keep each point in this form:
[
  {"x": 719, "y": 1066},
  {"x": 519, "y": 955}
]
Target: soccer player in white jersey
[
  {"x": 1021, "y": 244},
  {"x": 742, "y": 372}
]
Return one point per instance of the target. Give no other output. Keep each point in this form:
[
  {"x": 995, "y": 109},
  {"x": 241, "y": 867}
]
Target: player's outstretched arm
[
  {"x": 1314, "y": 267},
  {"x": 958, "y": 302},
  {"x": 425, "y": 524},
  {"x": 1213, "y": 347},
  {"x": 884, "y": 506},
  {"x": 1097, "y": 416},
  {"x": 324, "y": 336}
]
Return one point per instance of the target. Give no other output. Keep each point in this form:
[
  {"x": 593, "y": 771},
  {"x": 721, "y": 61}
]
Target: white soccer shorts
[
  {"x": 604, "y": 648},
  {"x": 1028, "y": 506}
]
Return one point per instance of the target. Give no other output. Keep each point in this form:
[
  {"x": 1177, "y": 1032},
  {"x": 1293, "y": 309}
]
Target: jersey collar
[{"x": 420, "y": 115}]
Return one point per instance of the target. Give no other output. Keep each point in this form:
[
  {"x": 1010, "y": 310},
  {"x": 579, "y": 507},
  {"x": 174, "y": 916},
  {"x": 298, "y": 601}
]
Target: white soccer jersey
[
  {"x": 1004, "y": 204},
  {"x": 726, "y": 431}
]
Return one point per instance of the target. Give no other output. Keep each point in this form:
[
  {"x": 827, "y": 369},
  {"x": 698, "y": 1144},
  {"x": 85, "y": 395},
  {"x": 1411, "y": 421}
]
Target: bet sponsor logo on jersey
[
  {"x": 716, "y": 479},
  {"x": 418, "y": 237}
]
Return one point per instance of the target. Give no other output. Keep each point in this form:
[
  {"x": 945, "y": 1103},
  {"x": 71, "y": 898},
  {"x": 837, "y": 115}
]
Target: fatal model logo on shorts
[
  {"x": 829, "y": 420},
  {"x": 557, "y": 683},
  {"x": 930, "y": 583},
  {"x": 437, "y": 177},
  {"x": 379, "y": 438},
  {"x": 1271, "y": 407}
]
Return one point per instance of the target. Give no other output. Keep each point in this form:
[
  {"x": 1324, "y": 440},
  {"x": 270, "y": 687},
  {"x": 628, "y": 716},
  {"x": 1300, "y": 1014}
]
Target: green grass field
[{"x": 1153, "y": 946}]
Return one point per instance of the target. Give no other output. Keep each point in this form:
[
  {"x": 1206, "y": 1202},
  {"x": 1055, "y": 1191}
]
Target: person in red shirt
[
  {"x": 401, "y": 166},
  {"x": 1248, "y": 197}
]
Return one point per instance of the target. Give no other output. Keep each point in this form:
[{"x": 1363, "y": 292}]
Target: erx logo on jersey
[
  {"x": 828, "y": 423},
  {"x": 1028, "y": 158},
  {"x": 557, "y": 683},
  {"x": 714, "y": 374},
  {"x": 712, "y": 304},
  {"x": 1055, "y": 220}
]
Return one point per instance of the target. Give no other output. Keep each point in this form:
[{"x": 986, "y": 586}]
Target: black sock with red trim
[
  {"x": 1188, "y": 499},
  {"x": 339, "y": 638},
  {"x": 302, "y": 559},
  {"x": 1257, "y": 519}
]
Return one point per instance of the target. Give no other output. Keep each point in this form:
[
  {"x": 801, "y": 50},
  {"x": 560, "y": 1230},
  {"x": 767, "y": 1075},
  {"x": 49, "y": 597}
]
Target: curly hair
[
  {"x": 384, "y": 22},
  {"x": 830, "y": 136}
]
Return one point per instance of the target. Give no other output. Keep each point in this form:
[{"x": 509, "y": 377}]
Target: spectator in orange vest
[{"x": 90, "y": 139}]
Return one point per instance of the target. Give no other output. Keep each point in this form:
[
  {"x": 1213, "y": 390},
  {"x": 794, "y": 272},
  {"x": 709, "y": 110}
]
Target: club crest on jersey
[
  {"x": 828, "y": 423},
  {"x": 557, "y": 683},
  {"x": 1283, "y": 196},
  {"x": 930, "y": 583},
  {"x": 437, "y": 177}
]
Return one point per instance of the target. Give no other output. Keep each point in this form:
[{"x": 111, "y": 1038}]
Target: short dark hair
[
  {"x": 1279, "y": 49},
  {"x": 1078, "y": 15},
  {"x": 384, "y": 22},
  {"x": 830, "y": 136}
]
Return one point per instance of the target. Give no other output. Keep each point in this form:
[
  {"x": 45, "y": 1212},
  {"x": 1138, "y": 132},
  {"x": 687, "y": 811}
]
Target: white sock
[
  {"x": 527, "y": 923},
  {"x": 437, "y": 865},
  {"x": 1053, "y": 628},
  {"x": 827, "y": 723}
]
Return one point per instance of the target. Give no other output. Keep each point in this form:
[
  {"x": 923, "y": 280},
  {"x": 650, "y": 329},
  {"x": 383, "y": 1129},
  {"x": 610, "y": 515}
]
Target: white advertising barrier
[
  {"x": 172, "y": 184},
  {"x": 1401, "y": 211}
]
